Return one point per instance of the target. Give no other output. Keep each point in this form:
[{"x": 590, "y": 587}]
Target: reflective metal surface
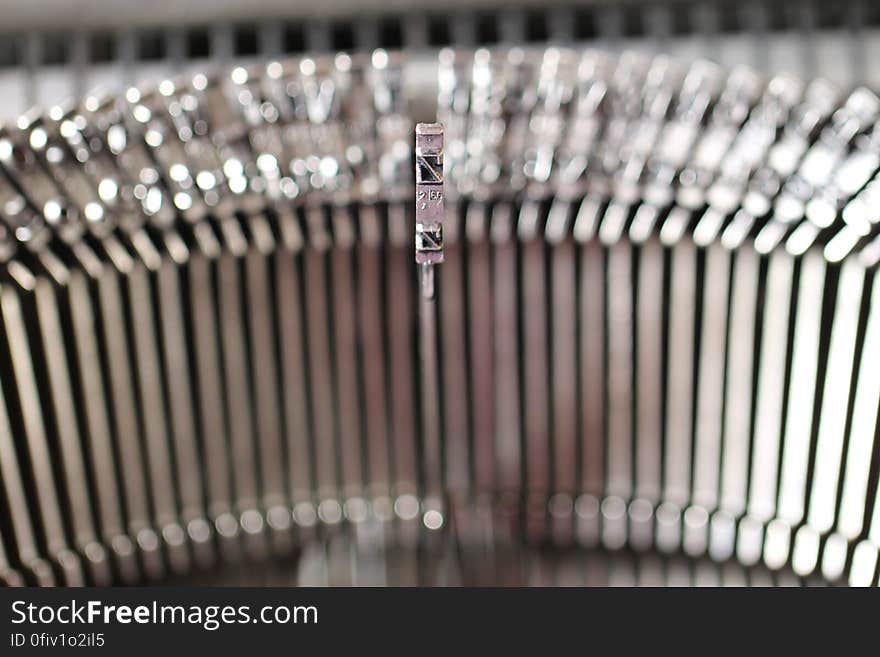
[{"x": 646, "y": 358}]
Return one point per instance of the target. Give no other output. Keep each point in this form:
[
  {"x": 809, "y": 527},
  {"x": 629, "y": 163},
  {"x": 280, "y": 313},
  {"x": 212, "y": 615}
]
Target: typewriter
[{"x": 609, "y": 316}]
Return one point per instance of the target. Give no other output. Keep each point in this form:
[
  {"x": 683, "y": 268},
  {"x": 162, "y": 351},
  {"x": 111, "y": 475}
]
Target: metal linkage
[
  {"x": 429, "y": 203},
  {"x": 658, "y": 300}
]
